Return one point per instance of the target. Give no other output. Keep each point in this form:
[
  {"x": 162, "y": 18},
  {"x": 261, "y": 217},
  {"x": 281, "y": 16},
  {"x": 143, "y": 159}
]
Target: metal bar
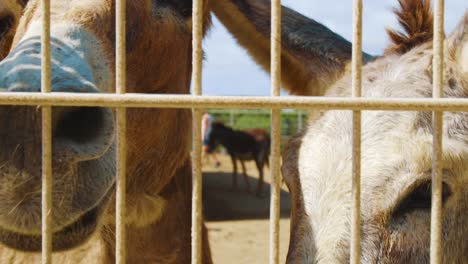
[
  {"x": 438, "y": 84},
  {"x": 197, "y": 214},
  {"x": 275, "y": 185},
  {"x": 275, "y": 43},
  {"x": 121, "y": 121},
  {"x": 231, "y": 118},
  {"x": 356, "y": 148},
  {"x": 232, "y": 102},
  {"x": 121, "y": 186},
  {"x": 197, "y": 56},
  {"x": 300, "y": 122},
  {"x": 46, "y": 138},
  {"x": 356, "y": 190}
]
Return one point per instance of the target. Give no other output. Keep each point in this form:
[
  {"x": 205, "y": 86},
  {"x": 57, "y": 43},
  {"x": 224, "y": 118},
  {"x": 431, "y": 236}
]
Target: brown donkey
[
  {"x": 159, "y": 174},
  {"x": 396, "y": 146},
  {"x": 242, "y": 145}
]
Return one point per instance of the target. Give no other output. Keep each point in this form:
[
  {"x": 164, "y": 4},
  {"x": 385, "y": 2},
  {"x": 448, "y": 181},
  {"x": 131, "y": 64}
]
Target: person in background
[{"x": 207, "y": 120}]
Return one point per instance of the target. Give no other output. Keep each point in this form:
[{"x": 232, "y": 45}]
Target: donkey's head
[
  {"x": 396, "y": 146},
  {"x": 83, "y": 36},
  {"x": 217, "y": 131}
]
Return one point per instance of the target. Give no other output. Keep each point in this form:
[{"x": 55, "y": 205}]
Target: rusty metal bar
[
  {"x": 121, "y": 121},
  {"x": 197, "y": 214},
  {"x": 275, "y": 43},
  {"x": 197, "y": 57},
  {"x": 232, "y": 102},
  {"x": 356, "y": 148},
  {"x": 275, "y": 185},
  {"x": 46, "y": 137},
  {"x": 438, "y": 84}
]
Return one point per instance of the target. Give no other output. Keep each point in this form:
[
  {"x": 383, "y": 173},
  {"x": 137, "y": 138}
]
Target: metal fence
[
  {"x": 292, "y": 121},
  {"x": 122, "y": 100}
]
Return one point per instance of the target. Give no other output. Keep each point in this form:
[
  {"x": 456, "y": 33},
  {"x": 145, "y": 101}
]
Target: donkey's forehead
[
  {"x": 181, "y": 7},
  {"x": 406, "y": 76},
  {"x": 135, "y": 8},
  {"x": 143, "y": 16},
  {"x": 400, "y": 76}
]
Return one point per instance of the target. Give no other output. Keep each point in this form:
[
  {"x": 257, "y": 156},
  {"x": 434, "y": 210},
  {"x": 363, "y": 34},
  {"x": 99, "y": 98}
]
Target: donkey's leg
[
  {"x": 234, "y": 172},
  {"x": 246, "y": 178},
  {"x": 259, "y": 162}
]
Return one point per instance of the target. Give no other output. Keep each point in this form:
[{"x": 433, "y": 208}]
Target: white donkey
[{"x": 396, "y": 146}]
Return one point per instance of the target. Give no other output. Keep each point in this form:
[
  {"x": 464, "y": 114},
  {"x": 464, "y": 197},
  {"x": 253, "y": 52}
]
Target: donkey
[
  {"x": 242, "y": 145},
  {"x": 396, "y": 146},
  {"x": 10, "y": 14},
  {"x": 158, "y": 169}
]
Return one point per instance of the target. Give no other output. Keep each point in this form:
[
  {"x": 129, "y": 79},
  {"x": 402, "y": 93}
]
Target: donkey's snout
[
  {"x": 81, "y": 138},
  {"x": 78, "y": 134}
]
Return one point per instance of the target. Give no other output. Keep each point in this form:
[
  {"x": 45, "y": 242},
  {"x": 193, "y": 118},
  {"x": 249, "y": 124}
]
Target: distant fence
[{"x": 291, "y": 120}]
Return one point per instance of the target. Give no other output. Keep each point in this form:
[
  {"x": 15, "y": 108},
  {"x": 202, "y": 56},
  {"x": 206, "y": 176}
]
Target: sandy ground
[{"x": 238, "y": 222}]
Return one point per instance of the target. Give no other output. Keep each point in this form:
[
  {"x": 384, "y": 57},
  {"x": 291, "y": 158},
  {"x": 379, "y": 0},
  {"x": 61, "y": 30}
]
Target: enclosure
[{"x": 281, "y": 123}]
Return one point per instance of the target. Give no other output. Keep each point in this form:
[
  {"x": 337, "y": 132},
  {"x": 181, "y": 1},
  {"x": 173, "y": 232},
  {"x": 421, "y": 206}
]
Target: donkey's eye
[
  {"x": 6, "y": 23},
  {"x": 23, "y": 2},
  {"x": 181, "y": 7},
  {"x": 420, "y": 199}
]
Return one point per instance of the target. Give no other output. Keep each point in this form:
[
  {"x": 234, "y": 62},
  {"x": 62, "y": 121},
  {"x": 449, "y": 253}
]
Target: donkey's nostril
[
  {"x": 81, "y": 124},
  {"x": 420, "y": 199}
]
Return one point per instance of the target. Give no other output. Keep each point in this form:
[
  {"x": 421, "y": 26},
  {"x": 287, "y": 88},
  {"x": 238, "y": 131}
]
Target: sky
[{"x": 228, "y": 70}]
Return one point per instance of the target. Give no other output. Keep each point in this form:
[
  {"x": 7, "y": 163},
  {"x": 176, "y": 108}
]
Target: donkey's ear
[
  {"x": 457, "y": 44},
  {"x": 313, "y": 57}
]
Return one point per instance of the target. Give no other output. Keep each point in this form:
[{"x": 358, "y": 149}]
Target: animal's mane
[
  {"x": 416, "y": 19},
  {"x": 220, "y": 125}
]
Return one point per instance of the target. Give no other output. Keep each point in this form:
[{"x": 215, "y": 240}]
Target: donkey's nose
[
  {"x": 78, "y": 134},
  {"x": 82, "y": 133}
]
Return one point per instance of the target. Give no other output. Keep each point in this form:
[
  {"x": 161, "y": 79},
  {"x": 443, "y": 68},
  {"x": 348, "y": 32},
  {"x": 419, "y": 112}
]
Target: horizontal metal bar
[{"x": 258, "y": 102}]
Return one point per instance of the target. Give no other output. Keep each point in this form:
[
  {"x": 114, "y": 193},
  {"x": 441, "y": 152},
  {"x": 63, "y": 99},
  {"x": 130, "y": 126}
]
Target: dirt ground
[{"x": 238, "y": 222}]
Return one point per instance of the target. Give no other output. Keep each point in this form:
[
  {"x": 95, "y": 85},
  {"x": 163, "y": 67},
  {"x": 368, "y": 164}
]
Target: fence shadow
[{"x": 221, "y": 203}]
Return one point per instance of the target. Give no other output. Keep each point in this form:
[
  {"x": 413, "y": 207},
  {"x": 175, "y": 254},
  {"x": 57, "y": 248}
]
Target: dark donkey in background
[{"x": 251, "y": 144}]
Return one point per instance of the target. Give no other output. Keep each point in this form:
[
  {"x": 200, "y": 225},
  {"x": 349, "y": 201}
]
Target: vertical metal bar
[
  {"x": 231, "y": 118},
  {"x": 197, "y": 53},
  {"x": 275, "y": 43},
  {"x": 120, "y": 62},
  {"x": 46, "y": 138},
  {"x": 275, "y": 185},
  {"x": 356, "y": 166},
  {"x": 197, "y": 216},
  {"x": 438, "y": 75},
  {"x": 300, "y": 122}
]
